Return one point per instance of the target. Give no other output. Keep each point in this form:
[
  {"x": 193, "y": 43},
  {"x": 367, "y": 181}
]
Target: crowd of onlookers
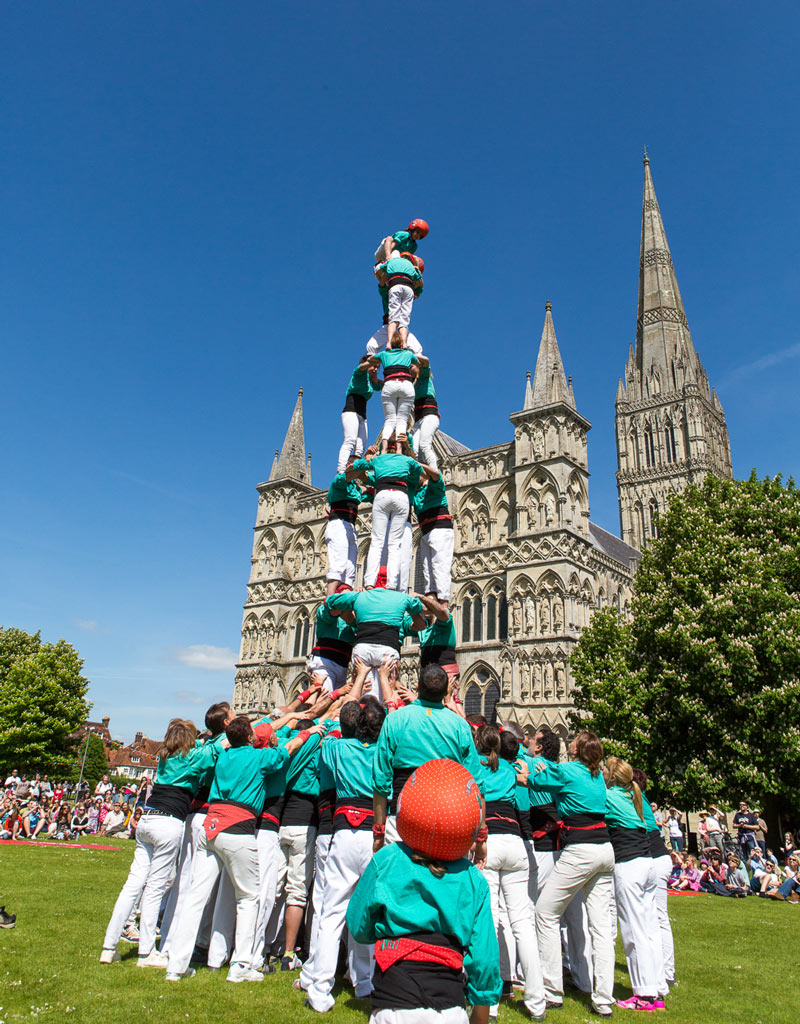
[
  {"x": 36, "y": 808},
  {"x": 733, "y": 859}
]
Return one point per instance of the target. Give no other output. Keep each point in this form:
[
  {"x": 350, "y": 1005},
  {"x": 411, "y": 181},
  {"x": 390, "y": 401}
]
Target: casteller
[{"x": 439, "y": 810}]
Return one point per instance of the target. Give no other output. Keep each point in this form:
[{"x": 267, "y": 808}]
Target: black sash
[{"x": 417, "y": 984}]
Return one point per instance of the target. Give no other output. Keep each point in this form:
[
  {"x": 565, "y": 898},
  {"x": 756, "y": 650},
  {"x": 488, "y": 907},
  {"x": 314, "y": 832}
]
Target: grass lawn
[{"x": 737, "y": 960}]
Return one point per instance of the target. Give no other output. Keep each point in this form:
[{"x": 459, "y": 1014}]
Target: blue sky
[{"x": 192, "y": 193}]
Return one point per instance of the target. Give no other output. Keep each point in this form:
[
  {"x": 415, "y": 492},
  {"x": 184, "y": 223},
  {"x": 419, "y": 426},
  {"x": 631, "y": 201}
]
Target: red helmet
[
  {"x": 419, "y": 263},
  {"x": 439, "y": 810},
  {"x": 419, "y": 225}
]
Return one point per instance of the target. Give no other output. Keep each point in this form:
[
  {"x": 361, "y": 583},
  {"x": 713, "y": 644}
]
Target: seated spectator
[
  {"x": 80, "y": 820},
  {"x": 737, "y": 882},
  {"x": 712, "y": 880},
  {"x": 689, "y": 880},
  {"x": 9, "y": 819},
  {"x": 114, "y": 822},
  {"x": 678, "y": 864},
  {"x": 765, "y": 878},
  {"x": 789, "y": 847},
  {"x": 33, "y": 820},
  {"x": 133, "y": 823},
  {"x": 63, "y": 829},
  {"x": 789, "y": 888}
]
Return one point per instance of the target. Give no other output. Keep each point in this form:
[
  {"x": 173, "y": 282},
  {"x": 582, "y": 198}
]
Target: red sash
[
  {"x": 388, "y": 952},
  {"x": 228, "y": 818},
  {"x": 355, "y": 816}
]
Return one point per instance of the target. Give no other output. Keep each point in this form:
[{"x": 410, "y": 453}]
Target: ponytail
[
  {"x": 620, "y": 773},
  {"x": 487, "y": 740},
  {"x": 436, "y": 867}
]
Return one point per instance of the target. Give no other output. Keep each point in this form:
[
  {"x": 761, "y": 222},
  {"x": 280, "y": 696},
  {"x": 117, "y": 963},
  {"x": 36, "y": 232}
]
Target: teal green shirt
[
  {"x": 303, "y": 774},
  {"x": 341, "y": 490},
  {"x": 420, "y": 732},
  {"x": 350, "y": 763},
  {"x": 213, "y": 743},
  {"x": 397, "y": 357},
  {"x": 499, "y": 785},
  {"x": 538, "y": 797},
  {"x": 360, "y": 384},
  {"x": 423, "y": 386},
  {"x": 400, "y": 265},
  {"x": 404, "y": 242},
  {"x": 333, "y": 627},
  {"x": 397, "y": 897},
  {"x": 241, "y": 772},
  {"x": 377, "y": 605},
  {"x": 189, "y": 770},
  {"x": 649, "y": 818},
  {"x": 620, "y": 811},
  {"x": 573, "y": 787},
  {"x": 391, "y": 466},
  {"x": 432, "y": 495}
]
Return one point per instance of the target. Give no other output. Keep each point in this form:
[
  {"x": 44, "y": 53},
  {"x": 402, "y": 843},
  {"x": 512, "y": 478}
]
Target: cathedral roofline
[
  {"x": 612, "y": 546},
  {"x": 545, "y": 410}
]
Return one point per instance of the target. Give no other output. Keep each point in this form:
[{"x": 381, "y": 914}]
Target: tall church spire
[
  {"x": 549, "y": 381},
  {"x": 670, "y": 427},
  {"x": 292, "y": 459},
  {"x": 662, "y": 331}
]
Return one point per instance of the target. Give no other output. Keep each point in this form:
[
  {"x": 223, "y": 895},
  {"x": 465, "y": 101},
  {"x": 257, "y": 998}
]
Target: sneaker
[
  {"x": 291, "y": 963},
  {"x": 130, "y": 934},
  {"x": 153, "y": 959},
  {"x": 109, "y": 956},
  {"x": 639, "y": 1003},
  {"x": 174, "y": 976},
  {"x": 298, "y": 984},
  {"x": 9, "y": 920},
  {"x": 237, "y": 974},
  {"x": 604, "y": 1011},
  {"x": 551, "y": 1005}
]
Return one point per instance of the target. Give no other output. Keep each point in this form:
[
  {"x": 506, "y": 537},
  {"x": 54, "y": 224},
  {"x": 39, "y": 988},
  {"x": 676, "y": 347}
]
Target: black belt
[{"x": 160, "y": 814}]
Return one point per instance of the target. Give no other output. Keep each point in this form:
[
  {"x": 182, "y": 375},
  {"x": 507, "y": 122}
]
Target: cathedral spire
[
  {"x": 663, "y": 340},
  {"x": 549, "y": 380},
  {"x": 292, "y": 459},
  {"x": 274, "y": 469},
  {"x": 527, "y": 404}
]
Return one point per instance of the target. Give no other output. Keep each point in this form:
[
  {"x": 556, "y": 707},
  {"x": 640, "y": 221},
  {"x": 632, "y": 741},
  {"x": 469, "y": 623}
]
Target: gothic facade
[{"x": 530, "y": 567}]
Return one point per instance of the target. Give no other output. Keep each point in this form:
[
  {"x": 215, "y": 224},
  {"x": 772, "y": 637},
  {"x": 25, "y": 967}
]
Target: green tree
[
  {"x": 96, "y": 761},
  {"x": 702, "y": 687},
  {"x": 42, "y": 702}
]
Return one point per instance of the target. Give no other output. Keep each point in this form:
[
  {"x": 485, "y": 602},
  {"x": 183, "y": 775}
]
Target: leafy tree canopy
[
  {"x": 96, "y": 761},
  {"x": 42, "y": 701},
  {"x": 702, "y": 687}
]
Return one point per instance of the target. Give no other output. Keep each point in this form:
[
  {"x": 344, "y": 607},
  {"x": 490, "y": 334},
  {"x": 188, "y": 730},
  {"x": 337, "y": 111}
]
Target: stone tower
[{"x": 670, "y": 427}]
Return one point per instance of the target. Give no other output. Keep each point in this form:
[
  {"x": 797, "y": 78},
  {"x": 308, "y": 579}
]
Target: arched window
[
  {"x": 302, "y": 632},
  {"x": 477, "y": 618},
  {"x": 502, "y": 618},
  {"x": 649, "y": 446},
  {"x": 473, "y": 701},
  {"x": 654, "y": 532},
  {"x": 637, "y": 452},
  {"x": 466, "y": 621},
  {"x": 490, "y": 701},
  {"x": 491, "y": 618},
  {"x": 671, "y": 447}
]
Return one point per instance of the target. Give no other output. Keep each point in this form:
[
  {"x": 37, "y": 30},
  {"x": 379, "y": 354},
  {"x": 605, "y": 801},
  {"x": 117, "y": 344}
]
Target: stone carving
[
  {"x": 558, "y": 615},
  {"x": 549, "y": 510},
  {"x": 530, "y": 615},
  {"x": 655, "y": 257},
  {"x": 663, "y": 314},
  {"x": 544, "y": 616},
  {"x": 548, "y": 680},
  {"x": 561, "y": 686},
  {"x": 516, "y": 616},
  {"x": 537, "y": 681}
]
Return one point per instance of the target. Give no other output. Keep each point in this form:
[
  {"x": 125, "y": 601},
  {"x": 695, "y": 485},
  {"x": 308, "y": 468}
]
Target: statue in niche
[
  {"x": 561, "y": 685},
  {"x": 530, "y": 615},
  {"x": 516, "y": 616},
  {"x": 548, "y": 680},
  {"x": 549, "y": 510},
  {"x": 463, "y": 529},
  {"x": 537, "y": 680},
  {"x": 544, "y": 615},
  {"x": 558, "y": 615},
  {"x": 481, "y": 528},
  {"x": 260, "y": 643},
  {"x": 538, "y": 444},
  {"x": 262, "y": 558},
  {"x": 526, "y": 681},
  {"x": 505, "y": 682}
]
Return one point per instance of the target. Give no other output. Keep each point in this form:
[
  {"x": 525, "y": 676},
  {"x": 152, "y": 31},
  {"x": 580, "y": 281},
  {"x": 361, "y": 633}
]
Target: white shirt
[
  {"x": 675, "y": 830},
  {"x": 12, "y": 781}
]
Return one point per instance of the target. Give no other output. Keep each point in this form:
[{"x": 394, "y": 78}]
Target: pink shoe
[{"x": 637, "y": 1003}]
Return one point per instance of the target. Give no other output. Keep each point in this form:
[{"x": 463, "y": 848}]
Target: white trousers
[
  {"x": 378, "y": 342},
  {"x": 635, "y": 888},
  {"x": 405, "y": 555},
  {"x": 585, "y": 868},
  {"x": 223, "y": 922},
  {"x": 453, "y": 1015},
  {"x": 575, "y": 937},
  {"x": 389, "y": 516},
  {"x": 397, "y": 397},
  {"x": 158, "y": 841},
  {"x": 354, "y": 428},
  {"x": 373, "y": 655},
  {"x": 317, "y": 901},
  {"x": 349, "y": 855},
  {"x": 424, "y": 432},
  {"x": 269, "y": 856},
  {"x": 297, "y": 846},
  {"x": 436, "y": 550},
  {"x": 179, "y": 889},
  {"x": 334, "y": 673},
  {"x": 661, "y": 868},
  {"x": 239, "y": 856},
  {"x": 342, "y": 543},
  {"x": 506, "y": 871}
]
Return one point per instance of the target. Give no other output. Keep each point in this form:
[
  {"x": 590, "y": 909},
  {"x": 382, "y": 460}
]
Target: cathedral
[{"x": 529, "y": 566}]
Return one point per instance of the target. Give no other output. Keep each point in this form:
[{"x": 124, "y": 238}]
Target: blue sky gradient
[{"x": 192, "y": 197}]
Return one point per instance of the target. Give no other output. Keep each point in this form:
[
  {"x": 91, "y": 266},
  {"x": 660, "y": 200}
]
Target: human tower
[{"x": 367, "y": 805}]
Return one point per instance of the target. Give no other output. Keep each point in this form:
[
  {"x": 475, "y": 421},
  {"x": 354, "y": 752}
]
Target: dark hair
[
  {"x": 305, "y": 723},
  {"x": 589, "y": 750},
  {"x": 370, "y": 721},
  {"x": 348, "y": 717},
  {"x": 509, "y": 745},
  {"x": 549, "y": 742},
  {"x": 302, "y": 707},
  {"x": 215, "y": 717},
  {"x": 239, "y": 731},
  {"x": 433, "y": 683},
  {"x": 640, "y": 779},
  {"x": 477, "y": 720},
  {"x": 436, "y": 867},
  {"x": 487, "y": 740}
]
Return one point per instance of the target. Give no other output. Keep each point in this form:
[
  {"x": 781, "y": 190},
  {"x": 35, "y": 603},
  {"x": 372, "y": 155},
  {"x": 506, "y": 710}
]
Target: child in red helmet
[{"x": 403, "y": 241}]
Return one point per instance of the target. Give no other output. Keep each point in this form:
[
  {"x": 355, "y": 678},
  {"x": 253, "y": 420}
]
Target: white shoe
[
  {"x": 237, "y": 974},
  {"x": 188, "y": 973},
  {"x": 153, "y": 959},
  {"x": 109, "y": 956}
]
